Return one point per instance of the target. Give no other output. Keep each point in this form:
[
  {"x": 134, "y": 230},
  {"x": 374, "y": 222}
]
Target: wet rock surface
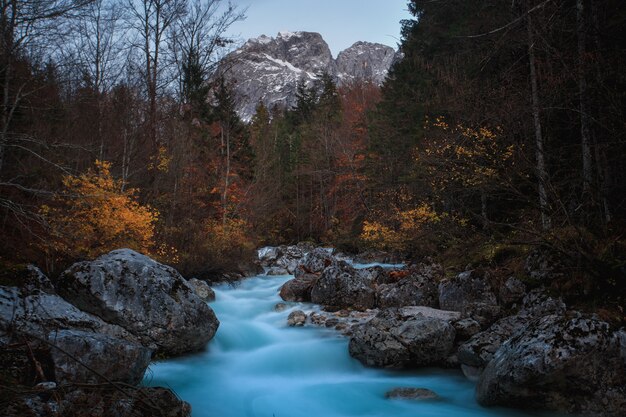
[
  {"x": 61, "y": 360},
  {"x": 150, "y": 300},
  {"x": 415, "y": 394},
  {"x": 413, "y": 290},
  {"x": 478, "y": 351},
  {"x": 105, "y": 400},
  {"x": 464, "y": 290},
  {"x": 86, "y": 357},
  {"x": 396, "y": 339},
  {"x": 296, "y": 318},
  {"x": 298, "y": 289},
  {"x": 343, "y": 287},
  {"x": 37, "y": 314},
  {"x": 569, "y": 363},
  {"x": 202, "y": 289}
]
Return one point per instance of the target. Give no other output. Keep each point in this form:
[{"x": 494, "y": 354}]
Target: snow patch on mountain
[{"x": 268, "y": 69}]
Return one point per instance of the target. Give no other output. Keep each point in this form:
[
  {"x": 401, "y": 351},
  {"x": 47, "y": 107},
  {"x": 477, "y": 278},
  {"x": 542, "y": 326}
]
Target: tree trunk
[
  {"x": 226, "y": 142},
  {"x": 583, "y": 108},
  {"x": 542, "y": 173}
]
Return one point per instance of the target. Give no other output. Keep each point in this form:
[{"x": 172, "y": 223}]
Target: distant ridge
[{"x": 268, "y": 69}]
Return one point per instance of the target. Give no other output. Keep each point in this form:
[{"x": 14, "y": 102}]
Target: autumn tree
[{"x": 92, "y": 215}]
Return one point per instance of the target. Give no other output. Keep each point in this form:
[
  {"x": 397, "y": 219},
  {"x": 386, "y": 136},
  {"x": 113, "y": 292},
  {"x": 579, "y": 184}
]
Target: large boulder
[
  {"x": 289, "y": 257},
  {"x": 39, "y": 313},
  {"x": 298, "y": 289},
  {"x": 314, "y": 262},
  {"x": 395, "y": 338},
  {"x": 478, "y": 351},
  {"x": 464, "y": 290},
  {"x": 412, "y": 290},
  {"x": 268, "y": 255},
  {"x": 559, "y": 362},
  {"x": 150, "y": 300},
  {"x": 342, "y": 286},
  {"x": 92, "y": 358}
]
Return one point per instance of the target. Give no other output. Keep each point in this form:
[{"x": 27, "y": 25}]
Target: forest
[{"x": 501, "y": 131}]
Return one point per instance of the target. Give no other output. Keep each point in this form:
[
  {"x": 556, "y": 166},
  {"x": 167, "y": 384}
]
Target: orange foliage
[{"x": 93, "y": 215}]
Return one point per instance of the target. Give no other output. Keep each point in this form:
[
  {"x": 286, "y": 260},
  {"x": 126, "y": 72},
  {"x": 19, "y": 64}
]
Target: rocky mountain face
[{"x": 268, "y": 69}]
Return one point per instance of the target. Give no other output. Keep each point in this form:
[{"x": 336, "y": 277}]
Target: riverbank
[
  {"x": 522, "y": 345},
  {"x": 80, "y": 345}
]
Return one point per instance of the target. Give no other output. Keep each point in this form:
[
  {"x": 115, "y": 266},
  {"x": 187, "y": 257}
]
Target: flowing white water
[{"x": 256, "y": 366}]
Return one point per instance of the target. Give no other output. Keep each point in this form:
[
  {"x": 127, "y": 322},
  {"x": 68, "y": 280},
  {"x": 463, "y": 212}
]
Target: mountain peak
[{"x": 268, "y": 69}]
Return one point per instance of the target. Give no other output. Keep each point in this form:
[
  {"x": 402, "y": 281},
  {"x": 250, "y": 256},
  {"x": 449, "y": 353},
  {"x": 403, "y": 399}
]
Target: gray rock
[
  {"x": 342, "y": 287},
  {"x": 365, "y": 61},
  {"x": 296, "y": 318},
  {"x": 35, "y": 280},
  {"x": 280, "y": 307},
  {"x": 465, "y": 289},
  {"x": 376, "y": 274},
  {"x": 277, "y": 270},
  {"x": 430, "y": 312},
  {"x": 314, "y": 262},
  {"x": 466, "y": 328},
  {"x": 290, "y": 257},
  {"x": 565, "y": 363},
  {"x": 478, "y": 351},
  {"x": 512, "y": 291},
  {"x": 202, "y": 289},
  {"x": 298, "y": 289},
  {"x": 412, "y": 394},
  {"x": 92, "y": 358},
  {"x": 483, "y": 313},
  {"x": 621, "y": 337},
  {"x": 150, "y": 300},
  {"x": 37, "y": 314},
  {"x": 102, "y": 400},
  {"x": 268, "y": 255},
  {"x": 414, "y": 290},
  {"x": 392, "y": 339}
]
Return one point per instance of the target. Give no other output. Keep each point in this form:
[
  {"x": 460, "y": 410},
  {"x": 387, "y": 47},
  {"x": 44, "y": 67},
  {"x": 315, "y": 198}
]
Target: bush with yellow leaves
[
  {"x": 412, "y": 230},
  {"x": 94, "y": 214}
]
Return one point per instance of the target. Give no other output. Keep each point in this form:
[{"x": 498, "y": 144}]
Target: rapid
[{"x": 257, "y": 366}]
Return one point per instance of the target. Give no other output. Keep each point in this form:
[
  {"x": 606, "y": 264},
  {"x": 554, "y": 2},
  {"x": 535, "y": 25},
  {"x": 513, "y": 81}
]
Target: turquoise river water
[{"x": 256, "y": 366}]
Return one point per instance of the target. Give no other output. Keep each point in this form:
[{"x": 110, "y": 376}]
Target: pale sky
[{"x": 340, "y": 22}]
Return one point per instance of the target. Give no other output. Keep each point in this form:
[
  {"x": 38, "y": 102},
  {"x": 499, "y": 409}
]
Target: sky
[{"x": 340, "y": 22}]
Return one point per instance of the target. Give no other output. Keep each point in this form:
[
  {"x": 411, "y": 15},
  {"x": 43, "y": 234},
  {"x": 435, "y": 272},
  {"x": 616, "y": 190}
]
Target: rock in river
[
  {"x": 412, "y": 394},
  {"x": 395, "y": 339},
  {"x": 150, "y": 300},
  {"x": 568, "y": 363},
  {"x": 85, "y": 357},
  {"x": 342, "y": 286}
]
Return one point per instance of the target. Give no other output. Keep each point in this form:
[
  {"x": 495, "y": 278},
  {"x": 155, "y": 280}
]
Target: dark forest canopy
[{"x": 502, "y": 126}]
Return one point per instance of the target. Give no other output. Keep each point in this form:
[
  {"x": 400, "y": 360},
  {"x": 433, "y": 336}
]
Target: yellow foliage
[
  {"x": 379, "y": 236},
  {"x": 93, "y": 216},
  {"x": 463, "y": 155},
  {"x": 407, "y": 226},
  {"x": 161, "y": 161},
  {"x": 225, "y": 235}
]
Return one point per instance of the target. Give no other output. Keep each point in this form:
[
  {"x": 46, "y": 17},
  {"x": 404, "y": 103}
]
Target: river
[{"x": 256, "y": 366}]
